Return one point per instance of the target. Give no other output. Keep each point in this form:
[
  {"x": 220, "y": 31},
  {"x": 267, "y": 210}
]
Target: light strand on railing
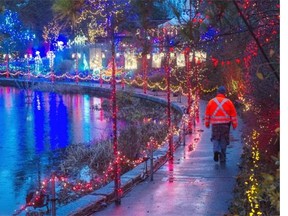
[{"x": 136, "y": 81}]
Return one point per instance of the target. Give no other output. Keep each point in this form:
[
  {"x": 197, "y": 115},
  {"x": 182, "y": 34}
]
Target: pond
[{"x": 33, "y": 126}]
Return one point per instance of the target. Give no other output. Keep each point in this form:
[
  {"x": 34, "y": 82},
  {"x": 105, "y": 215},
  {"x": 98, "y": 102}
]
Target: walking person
[{"x": 221, "y": 114}]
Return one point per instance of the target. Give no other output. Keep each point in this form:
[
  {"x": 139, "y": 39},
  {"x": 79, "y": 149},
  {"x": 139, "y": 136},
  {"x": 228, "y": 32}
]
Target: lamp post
[
  {"x": 151, "y": 146},
  {"x": 184, "y": 121}
]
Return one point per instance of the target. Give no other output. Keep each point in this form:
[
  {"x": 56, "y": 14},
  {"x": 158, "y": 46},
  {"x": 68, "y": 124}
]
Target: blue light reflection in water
[{"x": 31, "y": 131}]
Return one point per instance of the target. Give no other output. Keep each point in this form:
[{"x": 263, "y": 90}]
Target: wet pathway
[{"x": 192, "y": 185}]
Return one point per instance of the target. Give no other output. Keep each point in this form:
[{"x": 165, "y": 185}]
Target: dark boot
[
  {"x": 216, "y": 156},
  {"x": 222, "y": 156}
]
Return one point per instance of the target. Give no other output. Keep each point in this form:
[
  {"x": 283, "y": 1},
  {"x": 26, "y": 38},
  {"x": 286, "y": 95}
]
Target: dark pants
[{"x": 220, "y": 138}]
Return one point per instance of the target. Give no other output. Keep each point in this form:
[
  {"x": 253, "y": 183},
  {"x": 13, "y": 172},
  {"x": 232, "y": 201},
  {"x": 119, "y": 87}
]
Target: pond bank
[{"x": 88, "y": 88}]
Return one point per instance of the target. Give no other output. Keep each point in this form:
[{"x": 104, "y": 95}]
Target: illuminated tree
[
  {"x": 13, "y": 34},
  {"x": 33, "y": 13},
  {"x": 144, "y": 14},
  {"x": 110, "y": 15},
  {"x": 247, "y": 32},
  {"x": 67, "y": 13},
  {"x": 248, "y": 37},
  {"x": 262, "y": 22}
]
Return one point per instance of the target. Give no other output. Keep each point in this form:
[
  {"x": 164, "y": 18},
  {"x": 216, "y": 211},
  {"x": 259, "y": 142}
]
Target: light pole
[
  {"x": 151, "y": 145},
  {"x": 53, "y": 195}
]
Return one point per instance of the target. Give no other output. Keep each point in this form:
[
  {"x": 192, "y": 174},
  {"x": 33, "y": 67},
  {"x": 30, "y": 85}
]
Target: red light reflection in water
[
  {"x": 8, "y": 98},
  {"x": 78, "y": 117}
]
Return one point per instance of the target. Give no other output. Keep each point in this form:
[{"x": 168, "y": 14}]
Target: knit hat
[{"x": 221, "y": 90}]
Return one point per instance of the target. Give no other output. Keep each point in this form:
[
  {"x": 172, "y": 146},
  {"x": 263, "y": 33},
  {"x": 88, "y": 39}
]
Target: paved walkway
[{"x": 192, "y": 185}]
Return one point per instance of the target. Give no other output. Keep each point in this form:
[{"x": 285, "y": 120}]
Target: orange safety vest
[{"x": 220, "y": 110}]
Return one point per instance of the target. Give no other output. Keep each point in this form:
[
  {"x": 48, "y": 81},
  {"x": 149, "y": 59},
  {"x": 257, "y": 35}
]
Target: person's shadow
[{"x": 220, "y": 165}]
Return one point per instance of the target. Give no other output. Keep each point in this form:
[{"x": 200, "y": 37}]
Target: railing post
[
  {"x": 7, "y": 65},
  {"x": 151, "y": 164},
  {"x": 184, "y": 133},
  {"x": 53, "y": 196}
]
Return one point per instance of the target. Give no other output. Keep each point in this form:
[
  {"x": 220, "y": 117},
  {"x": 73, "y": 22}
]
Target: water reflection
[{"x": 30, "y": 132}]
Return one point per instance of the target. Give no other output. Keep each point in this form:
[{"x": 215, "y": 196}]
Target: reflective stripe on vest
[{"x": 220, "y": 107}]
